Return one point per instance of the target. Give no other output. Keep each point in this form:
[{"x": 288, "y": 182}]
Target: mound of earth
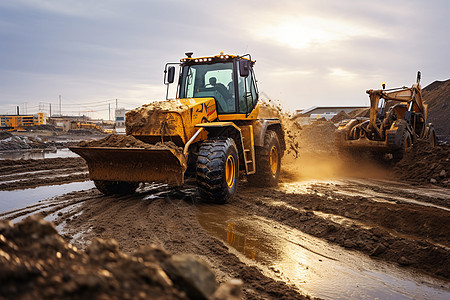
[
  {"x": 129, "y": 141},
  {"x": 36, "y": 263},
  {"x": 9, "y": 141},
  {"x": 146, "y": 116},
  {"x": 318, "y": 137},
  {"x": 360, "y": 113},
  {"x": 437, "y": 96},
  {"x": 342, "y": 115},
  {"x": 425, "y": 164}
]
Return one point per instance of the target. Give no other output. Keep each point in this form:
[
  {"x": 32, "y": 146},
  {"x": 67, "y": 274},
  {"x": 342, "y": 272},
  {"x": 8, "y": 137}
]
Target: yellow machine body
[{"x": 184, "y": 123}]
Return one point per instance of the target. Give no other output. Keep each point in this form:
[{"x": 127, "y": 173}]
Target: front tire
[
  {"x": 268, "y": 162},
  {"x": 432, "y": 137},
  {"x": 116, "y": 187},
  {"x": 217, "y": 170},
  {"x": 406, "y": 143}
]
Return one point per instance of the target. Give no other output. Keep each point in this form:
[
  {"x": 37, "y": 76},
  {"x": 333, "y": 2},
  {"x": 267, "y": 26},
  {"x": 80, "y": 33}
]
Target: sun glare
[{"x": 309, "y": 31}]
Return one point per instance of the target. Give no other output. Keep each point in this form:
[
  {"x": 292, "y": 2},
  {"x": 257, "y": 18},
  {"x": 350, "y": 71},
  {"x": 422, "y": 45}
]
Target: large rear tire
[
  {"x": 217, "y": 170},
  {"x": 116, "y": 187},
  {"x": 268, "y": 162}
]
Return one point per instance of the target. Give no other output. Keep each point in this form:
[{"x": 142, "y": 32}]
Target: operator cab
[{"x": 229, "y": 79}]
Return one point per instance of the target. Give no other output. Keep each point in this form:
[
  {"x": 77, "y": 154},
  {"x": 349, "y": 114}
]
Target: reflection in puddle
[
  {"x": 314, "y": 266},
  {"x": 36, "y": 154},
  {"x": 12, "y": 200}
]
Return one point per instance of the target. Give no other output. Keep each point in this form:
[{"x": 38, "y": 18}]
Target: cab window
[
  {"x": 214, "y": 80},
  {"x": 247, "y": 93}
]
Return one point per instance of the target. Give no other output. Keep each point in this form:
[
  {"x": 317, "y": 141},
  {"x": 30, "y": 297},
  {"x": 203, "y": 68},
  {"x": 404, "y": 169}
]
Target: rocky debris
[
  {"x": 36, "y": 263},
  {"x": 9, "y": 141},
  {"x": 425, "y": 164},
  {"x": 230, "y": 290},
  {"x": 128, "y": 141},
  {"x": 191, "y": 275},
  {"x": 437, "y": 96},
  {"x": 342, "y": 115}
]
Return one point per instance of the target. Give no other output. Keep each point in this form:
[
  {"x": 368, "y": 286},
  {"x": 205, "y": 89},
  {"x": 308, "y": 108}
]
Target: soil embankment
[{"x": 437, "y": 96}]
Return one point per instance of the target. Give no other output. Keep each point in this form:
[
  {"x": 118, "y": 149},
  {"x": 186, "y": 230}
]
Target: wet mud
[
  {"x": 22, "y": 174},
  {"x": 335, "y": 227}
]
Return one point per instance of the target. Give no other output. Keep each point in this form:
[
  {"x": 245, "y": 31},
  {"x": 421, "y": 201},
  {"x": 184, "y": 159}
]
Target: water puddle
[
  {"x": 36, "y": 154},
  {"x": 17, "y": 199},
  {"x": 316, "y": 267}
]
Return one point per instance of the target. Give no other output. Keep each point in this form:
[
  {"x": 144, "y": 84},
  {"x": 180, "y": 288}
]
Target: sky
[{"x": 81, "y": 55}]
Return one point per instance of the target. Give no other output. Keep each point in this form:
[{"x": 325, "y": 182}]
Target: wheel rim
[
  {"x": 230, "y": 171},
  {"x": 274, "y": 160}
]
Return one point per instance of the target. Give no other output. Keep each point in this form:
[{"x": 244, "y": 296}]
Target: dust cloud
[{"x": 311, "y": 152}]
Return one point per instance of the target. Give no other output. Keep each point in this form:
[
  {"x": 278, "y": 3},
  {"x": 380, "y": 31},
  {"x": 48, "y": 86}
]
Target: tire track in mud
[
  {"x": 23, "y": 174},
  {"x": 168, "y": 221},
  {"x": 405, "y": 234},
  {"x": 51, "y": 206}
]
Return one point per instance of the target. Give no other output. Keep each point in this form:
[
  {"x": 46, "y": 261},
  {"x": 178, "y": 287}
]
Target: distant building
[
  {"x": 120, "y": 119},
  {"x": 20, "y": 121},
  {"x": 68, "y": 122},
  {"x": 327, "y": 112}
]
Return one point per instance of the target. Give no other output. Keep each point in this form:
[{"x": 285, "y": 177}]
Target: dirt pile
[
  {"x": 360, "y": 113},
  {"x": 127, "y": 141},
  {"x": 9, "y": 141},
  {"x": 318, "y": 137},
  {"x": 292, "y": 129},
  {"x": 437, "y": 96},
  {"x": 145, "y": 117},
  {"x": 37, "y": 263},
  {"x": 342, "y": 115},
  {"x": 425, "y": 164}
]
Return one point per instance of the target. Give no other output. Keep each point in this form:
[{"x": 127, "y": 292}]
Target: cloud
[{"x": 307, "y": 52}]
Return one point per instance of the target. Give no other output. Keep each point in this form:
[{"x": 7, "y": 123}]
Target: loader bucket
[{"x": 134, "y": 164}]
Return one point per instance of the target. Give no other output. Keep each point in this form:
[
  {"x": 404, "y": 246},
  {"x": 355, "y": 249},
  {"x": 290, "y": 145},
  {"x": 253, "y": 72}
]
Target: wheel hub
[{"x": 230, "y": 171}]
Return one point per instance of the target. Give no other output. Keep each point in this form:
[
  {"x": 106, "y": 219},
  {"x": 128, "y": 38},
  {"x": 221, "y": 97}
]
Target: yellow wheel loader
[
  {"x": 210, "y": 131},
  {"x": 398, "y": 118}
]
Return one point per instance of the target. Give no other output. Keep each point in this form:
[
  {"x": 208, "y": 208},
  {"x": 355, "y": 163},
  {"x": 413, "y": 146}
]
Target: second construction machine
[
  {"x": 398, "y": 118},
  {"x": 211, "y": 131}
]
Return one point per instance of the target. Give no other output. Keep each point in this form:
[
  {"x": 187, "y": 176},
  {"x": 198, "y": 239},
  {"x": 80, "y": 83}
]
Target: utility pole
[
  {"x": 109, "y": 109},
  {"x": 50, "y": 110},
  {"x": 116, "y": 103},
  {"x": 60, "y": 112}
]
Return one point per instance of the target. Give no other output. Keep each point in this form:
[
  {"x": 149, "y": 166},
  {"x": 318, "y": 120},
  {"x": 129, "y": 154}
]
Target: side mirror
[
  {"x": 244, "y": 68},
  {"x": 171, "y": 74}
]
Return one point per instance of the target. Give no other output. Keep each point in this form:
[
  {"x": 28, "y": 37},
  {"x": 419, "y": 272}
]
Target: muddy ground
[
  {"x": 385, "y": 221},
  {"x": 331, "y": 228}
]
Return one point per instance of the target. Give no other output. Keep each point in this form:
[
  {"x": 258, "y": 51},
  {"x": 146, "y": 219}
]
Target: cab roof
[{"x": 217, "y": 58}]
